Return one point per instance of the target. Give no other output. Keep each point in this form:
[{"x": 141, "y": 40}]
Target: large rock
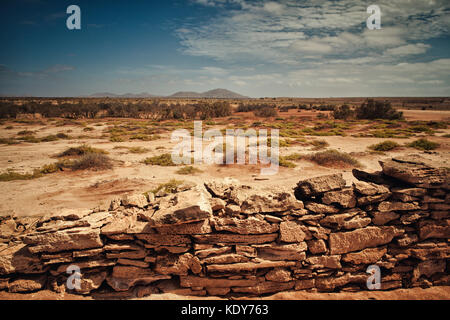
[
  {"x": 200, "y": 227},
  {"x": 27, "y": 284},
  {"x": 397, "y": 206},
  {"x": 125, "y": 277},
  {"x": 265, "y": 287},
  {"x": 413, "y": 170},
  {"x": 330, "y": 262},
  {"x": 321, "y": 208},
  {"x": 71, "y": 239},
  {"x": 184, "y": 207},
  {"x": 434, "y": 229},
  {"x": 18, "y": 259},
  {"x": 291, "y": 231},
  {"x": 277, "y": 252},
  {"x": 343, "y": 242},
  {"x": 201, "y": 282},
  {"x": 345, "y": 198},
  {"x": 366, "y": 256},
  {"x": 250, "y": 225},
  {"x": 369, "y": 188},
  {"x": 248, "y": 266},
  {"x": 235, "y": 238},
  {"x": 319, "y": 185},
  {"x": 265, "y": 201}
]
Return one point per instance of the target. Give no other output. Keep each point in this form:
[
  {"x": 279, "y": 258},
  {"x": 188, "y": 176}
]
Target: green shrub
[
  {"x": 169, "y": 187},
  {"x": 164, "y": 160},
  {"x": 81, "y": 150},
  {"x": 319, "y": 144},
  {"x": 384, "y": 146},
  {"x": 332, "y": 157},
  {"x": 423, "y": 144},
  {"x": 188, "y": 170}
]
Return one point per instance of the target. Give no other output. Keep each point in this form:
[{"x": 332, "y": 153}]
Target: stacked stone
[{"x": 224, "y": 238}]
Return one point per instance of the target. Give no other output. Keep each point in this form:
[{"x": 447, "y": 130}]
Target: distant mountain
[
  {"x": 185, "y": 94},
  {"x": 212, "y": 94},
  {"x": 126, "y": 95}
]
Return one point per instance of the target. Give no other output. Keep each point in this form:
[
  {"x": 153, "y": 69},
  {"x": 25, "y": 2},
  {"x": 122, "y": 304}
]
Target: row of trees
[{"x": 82, "y": 109}]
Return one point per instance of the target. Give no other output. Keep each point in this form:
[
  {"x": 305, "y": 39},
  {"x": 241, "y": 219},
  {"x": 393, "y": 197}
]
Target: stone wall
[{"x": 224, "y": 238}]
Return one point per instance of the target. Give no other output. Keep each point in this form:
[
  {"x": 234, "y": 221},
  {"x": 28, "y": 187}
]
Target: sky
[{"x": 254, "y": 47}]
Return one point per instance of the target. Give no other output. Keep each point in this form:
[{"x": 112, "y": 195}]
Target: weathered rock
[
  {"x": 246, "y": 251},
  {"x": 321, "y": 208},
  {"x": 200, "y": 227},
  {"x": 397, "y": 206},
  {"x": 428, "y": 268},
  {"x": 362, "y": 201},
  {"x": 7, "y": 228},
  {"x": 4, "y": 283},
  {"x": 194, "y": 281},
  {"x": 331, "y": 262},
  {"x": 125, "y": 277},
  {"x": 248, "y": 266},
  {"x": 329, "y": 284},
  {"x": 72, "y": 239},
  {"x": 291, "y": 231},
  {"x": 366, "y": 256},
  {"x": 369, "y": 188},
  {"x": 318, "y": 185},
  {"x": 305, "y": 284},
  {"x": 156, "y": 240},
  {"x": 27, "y": 284},
  {"x": 217, "y": 204},
  {"x": 225, "y": 259},
  {"x": 18, "y": 259},
  {"x": 279, "y": 275},
  {"x": 135, "y": 200},
  {"x": 316, "y": 246},
  {"x": 343, "y": 242},
  {"x": 91, "y": 280},
  {"x": 274, "y": 252},
  {"x": 415, "y": 172},
  {"x": 347, "y": 220},
  {"x": 178, "y": 265},
  {"x": 434, "y": 229},
  {"x": 235, "y": 238},
  {"x": 212, "y": 251},
  {"x": 381, "y": 218},
  {"x": 345, "y": 198},
  {"x": 407, "y": 239},
  {"x": 189, "y": 206},
  {"x": 265, "y": 287},
  {"x": 263, "y": 201},
  {"x": 251, "y": 225},
  {"x": 413, "y": 192}
]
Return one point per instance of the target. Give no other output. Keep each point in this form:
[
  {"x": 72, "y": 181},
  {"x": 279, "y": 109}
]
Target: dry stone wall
[{"x": 223, "y": 238}]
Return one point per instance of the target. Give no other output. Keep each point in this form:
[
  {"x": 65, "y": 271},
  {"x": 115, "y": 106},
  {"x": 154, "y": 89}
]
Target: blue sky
[{"x": 257, "y": 48}]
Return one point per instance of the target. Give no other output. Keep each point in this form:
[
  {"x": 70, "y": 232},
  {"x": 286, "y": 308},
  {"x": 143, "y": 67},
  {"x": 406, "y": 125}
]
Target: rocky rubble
[{"x": 224, "y": 238}]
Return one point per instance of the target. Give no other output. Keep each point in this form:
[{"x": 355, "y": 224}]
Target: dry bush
[{"x": 95, "y": 161}]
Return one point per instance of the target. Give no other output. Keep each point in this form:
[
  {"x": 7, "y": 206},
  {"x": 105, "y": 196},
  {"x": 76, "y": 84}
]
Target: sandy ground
[
  {"x": 88, "y": 189},
  {"x": 434, "y": 293}
]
